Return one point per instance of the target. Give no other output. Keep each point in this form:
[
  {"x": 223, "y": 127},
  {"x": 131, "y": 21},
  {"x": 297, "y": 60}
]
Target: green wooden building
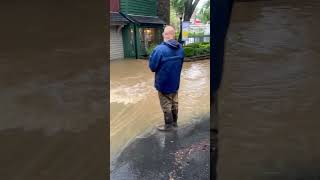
[{"x": 145, "y": 27}]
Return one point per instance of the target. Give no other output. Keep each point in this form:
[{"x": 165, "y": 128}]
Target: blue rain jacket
[{"x": 166, "y": 61}]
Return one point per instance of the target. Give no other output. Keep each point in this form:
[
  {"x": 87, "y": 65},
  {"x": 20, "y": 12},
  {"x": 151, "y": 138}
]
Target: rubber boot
[
  {"x": 175, "y": 117},
  {"x": 168, "y": 122}
]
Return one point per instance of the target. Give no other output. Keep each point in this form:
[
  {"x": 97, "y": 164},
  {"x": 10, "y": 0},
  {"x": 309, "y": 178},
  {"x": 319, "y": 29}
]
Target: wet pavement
[{"x": 182, "y": 154}]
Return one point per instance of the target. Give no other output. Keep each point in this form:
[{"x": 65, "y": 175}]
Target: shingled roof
[
  {"x": 116, "y": 19},
  {"x": 146, "y": 19}
]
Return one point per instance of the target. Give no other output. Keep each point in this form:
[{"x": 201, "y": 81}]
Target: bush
[
  {"x": 204, "y": 43},
  {"x": 207, "y": 50},
  {"x": 196, "y": 49},
  {"x": 201, "y": 51},
  {"x": 150, "y": 49},
  {"x": 189, "y": 51},
  {"x": 204, "y": 46},
  {"x": 197, "y": 52},
  {"x": 197, "y": 34},
  {"x": 193, "y": 49},
  {"x": 193, "y": 45}
]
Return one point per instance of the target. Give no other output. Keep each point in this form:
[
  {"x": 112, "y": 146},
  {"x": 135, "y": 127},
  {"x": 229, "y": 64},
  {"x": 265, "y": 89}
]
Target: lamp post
[{"x": 180, "y": 34}]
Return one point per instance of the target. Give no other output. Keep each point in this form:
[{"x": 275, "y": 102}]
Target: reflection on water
[
  {"x": 52, "y": 91},
  {"x": 269, "y": 102},
  {"x": 135, "y": 106}
]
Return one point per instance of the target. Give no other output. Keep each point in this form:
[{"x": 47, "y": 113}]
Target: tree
[
  {"x": 190, "y": 6},
  {"x": 178, "y": 6},
  {"x": 185, "y": 8},
  {"x": 204, "y": 13},
  {"x": 174, "y": 21}
]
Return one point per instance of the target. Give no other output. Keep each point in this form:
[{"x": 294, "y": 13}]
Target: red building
[
  {"x": 117, "y": 22},
  {"x": 114, "y": 5}
]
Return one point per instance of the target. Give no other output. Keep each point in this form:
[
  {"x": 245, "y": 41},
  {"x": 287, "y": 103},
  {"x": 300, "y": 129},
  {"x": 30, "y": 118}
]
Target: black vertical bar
[
  {"x": 135, "y": 40},
  {"x": 220, "y": 20}
]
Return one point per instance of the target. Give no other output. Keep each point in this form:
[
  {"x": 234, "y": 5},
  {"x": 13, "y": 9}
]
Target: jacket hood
[{"x": 172, "y": 44}]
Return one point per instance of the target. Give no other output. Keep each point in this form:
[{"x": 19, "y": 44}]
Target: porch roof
[
  {"x": 117, "y": 19},
  {"x": 147, "y": 20}
]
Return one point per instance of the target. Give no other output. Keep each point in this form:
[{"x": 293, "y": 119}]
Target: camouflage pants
[{"x": 168, "y": 102}]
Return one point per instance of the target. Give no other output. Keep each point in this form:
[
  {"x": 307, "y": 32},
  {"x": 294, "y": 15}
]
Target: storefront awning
[
  {"x": 146, "y": 20},
  {"x": 117, "y": 19}
]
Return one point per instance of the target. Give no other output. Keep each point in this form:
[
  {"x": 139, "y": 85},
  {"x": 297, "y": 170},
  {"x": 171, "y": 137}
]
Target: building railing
[{"x": 197, "y": 38}]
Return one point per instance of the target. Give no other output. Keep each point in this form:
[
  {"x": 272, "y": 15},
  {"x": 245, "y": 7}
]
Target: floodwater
[
  {"x": 52, "y": 122},
  {"x": 270, "y": 98},
  {"x": 134, "y": 103},
  {"x": 53, "y": 86}
]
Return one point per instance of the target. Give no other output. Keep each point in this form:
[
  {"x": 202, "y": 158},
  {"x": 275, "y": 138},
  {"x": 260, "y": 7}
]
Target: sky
[{"x": 201, "y": 3}]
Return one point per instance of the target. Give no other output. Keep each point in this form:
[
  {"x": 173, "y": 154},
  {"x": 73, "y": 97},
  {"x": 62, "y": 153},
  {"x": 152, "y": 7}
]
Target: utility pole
[{"x": 180, "y": 34}]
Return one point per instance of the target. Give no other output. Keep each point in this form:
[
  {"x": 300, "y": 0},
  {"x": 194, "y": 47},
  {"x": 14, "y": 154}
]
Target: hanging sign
[{"x": 185, "y": 30}]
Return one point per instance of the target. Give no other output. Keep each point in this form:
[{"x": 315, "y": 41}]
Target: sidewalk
[{"x": 182, "y": 154}]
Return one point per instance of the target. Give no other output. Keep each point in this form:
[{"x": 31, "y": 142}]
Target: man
[{"x": 166, "y": 61}]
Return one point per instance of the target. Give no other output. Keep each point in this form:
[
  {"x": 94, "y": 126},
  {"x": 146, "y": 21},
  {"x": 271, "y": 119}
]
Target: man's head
[{"x": 169, "y": 33}]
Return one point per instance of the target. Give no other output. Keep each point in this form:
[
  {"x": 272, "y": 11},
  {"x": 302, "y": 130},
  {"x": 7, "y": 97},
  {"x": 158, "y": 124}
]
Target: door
[
  {"x": 129, "y": 41},
  {"x": 116, "y": 44}
]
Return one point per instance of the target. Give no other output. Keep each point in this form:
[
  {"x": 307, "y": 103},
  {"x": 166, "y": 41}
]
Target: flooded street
[
  {"x": 269, "y": 101},
  {"x": 51, "y": 122},
  {"x": 53, "y": 86},
  {"x": 135, "y": 107}
]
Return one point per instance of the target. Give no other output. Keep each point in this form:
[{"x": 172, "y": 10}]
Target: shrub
[
  {"x": 205, "y": 43},
  {"x": 196, "y": 34},
  {"x": 189, "y": 51},
  {"x": 207, "y": 50},
  {"x": 201, "y": 51},
  {"x": 193, "y": 49},
  {"x": 197, "y": 52},
  {"x": 193, "y": 45},
  {"x": 204, "y": 46},
  {"x": 150, "y": 49},
  {"x": 196, "y": 49}
]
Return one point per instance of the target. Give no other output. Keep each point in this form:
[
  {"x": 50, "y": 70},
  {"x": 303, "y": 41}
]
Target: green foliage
[
  {"x": 204, "y": 13},
  {"x": 188, "y": 51},
  {"x": 196, "y": 34},
  {"x": 150, "y": 49},
  {"x": 192, "y": 45},
  {"x": 204, "y": 43},
  {"x": 193, "y": 49},
  {"x": 174, "y": 20},
  {"x": 178, "y": 6},
  {"x": 202, "y": 51},
  {"x": 196, "y": 49},
  {"x": 184, "y": 8},
  {"x": 205, "y": 46}
]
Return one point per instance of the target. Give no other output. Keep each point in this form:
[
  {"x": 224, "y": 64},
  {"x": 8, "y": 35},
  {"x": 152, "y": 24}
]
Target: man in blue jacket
[{"x": 166, "y": 61}]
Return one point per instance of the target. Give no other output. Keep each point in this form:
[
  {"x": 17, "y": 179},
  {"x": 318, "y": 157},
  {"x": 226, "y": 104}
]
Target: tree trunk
[
  {"x": 164, "y": 10},
  {"x": 189, "y": 8}
]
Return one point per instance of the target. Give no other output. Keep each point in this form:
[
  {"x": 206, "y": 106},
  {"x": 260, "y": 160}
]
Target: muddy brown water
[
  {"x": 53, "y": 84},
  {"x": 134, "y": 103},
  {"x": 270, "y": 98}
]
